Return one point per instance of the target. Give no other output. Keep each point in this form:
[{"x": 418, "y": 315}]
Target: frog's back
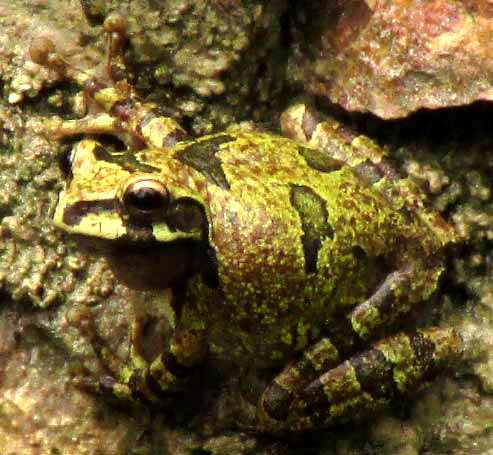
[
  {"x": 296, "y": 234},
  {"x": 265, "y": 187}
]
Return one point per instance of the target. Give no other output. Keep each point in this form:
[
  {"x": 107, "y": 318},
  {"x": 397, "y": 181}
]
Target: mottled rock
[
  {"x": 394, "y": 57},
  {"x": 193, "y": 52}
]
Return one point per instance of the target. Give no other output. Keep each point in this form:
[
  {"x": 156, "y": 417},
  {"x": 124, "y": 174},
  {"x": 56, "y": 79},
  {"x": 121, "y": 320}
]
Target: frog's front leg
[
  {"x": 307, "y": 395},
  {"x": 169, "y": 372},
  {"x": 102, "y": 123},
  {"x": 112, "y": 104},
  {"x": 148, "y": 128},
  {"x": 173, "y": 369}
]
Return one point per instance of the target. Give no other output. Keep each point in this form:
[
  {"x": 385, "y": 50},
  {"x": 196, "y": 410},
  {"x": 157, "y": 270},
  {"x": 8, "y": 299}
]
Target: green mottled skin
[
  {"x": 285, "y": 243},
  {"x": 276, "y": 307}
]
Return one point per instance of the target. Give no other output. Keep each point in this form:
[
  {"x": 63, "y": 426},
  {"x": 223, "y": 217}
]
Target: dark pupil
[{"x": 145, "y": 199}]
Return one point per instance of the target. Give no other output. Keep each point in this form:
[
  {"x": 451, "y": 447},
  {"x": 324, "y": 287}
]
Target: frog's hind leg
[
  {"x": 392, "y": 300},
  {"x": 415, "y": 281},
  {"x": 369, "y": 161},
  {"x": 295, "y": 388},
  {"x": 361, "y": 385}
]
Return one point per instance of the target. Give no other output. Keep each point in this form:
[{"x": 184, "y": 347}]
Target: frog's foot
[
  {"x": 151, "y": 382},
  {"x": 164, "y": 377},
  {"x": 170, "y": 372},
  {"x": 111, "y": 101},
  {"x": 310, "y": 395}
]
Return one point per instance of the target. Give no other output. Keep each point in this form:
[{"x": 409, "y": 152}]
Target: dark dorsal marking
[
  {"x": 210, "y": 268},
  {"x": 126, "y": 160},
  {"x": 314, "y": 215},
  {"x": 201, "y": 155},
  {"x": 319, "y": 160}
]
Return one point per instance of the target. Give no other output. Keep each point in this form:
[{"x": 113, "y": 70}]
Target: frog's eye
[{"x": 145, "y": 197}]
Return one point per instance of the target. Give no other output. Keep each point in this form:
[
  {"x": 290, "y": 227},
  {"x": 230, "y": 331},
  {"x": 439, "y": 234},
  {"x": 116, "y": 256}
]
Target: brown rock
[{"x": 392, "y": 57}]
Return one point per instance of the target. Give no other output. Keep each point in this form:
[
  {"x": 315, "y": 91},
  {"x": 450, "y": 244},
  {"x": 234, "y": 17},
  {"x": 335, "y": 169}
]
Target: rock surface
[{"x": 394, "y": 57}]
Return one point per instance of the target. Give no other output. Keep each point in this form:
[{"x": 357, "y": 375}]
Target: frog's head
[{"x": 126, "y": 196}]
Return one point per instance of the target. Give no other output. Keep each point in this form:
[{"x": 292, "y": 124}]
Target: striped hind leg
[
  {"x": 346, "y": 365},
  {"x": 357, "y": 387}
]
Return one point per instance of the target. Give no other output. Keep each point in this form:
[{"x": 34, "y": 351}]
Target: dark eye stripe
[{"x": 73, "y": 213}]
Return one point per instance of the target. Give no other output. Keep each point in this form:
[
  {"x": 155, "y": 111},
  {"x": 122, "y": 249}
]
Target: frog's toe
[
  {"x": 395, "y": 298},
  {"x": 361, "y": 385}
]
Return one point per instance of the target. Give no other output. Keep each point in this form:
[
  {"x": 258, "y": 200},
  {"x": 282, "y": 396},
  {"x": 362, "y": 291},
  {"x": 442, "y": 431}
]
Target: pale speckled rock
[
  {"x": 393, "y": 57},
  {"x": 191, "y": 53},
  {"x": 22, "y": 78},
  {"x": 42, "y": 412}
]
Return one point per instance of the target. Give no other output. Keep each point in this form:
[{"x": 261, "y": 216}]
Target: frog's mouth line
[{"x": 135, "y": 242}]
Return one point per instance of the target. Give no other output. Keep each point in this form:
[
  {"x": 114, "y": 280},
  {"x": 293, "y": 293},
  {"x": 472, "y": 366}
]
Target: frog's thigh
[{"x": 364, "y": 383}]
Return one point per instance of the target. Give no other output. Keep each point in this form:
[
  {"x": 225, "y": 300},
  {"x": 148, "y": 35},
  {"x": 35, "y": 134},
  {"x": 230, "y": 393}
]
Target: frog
[{"x": 302, "y": 254}]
